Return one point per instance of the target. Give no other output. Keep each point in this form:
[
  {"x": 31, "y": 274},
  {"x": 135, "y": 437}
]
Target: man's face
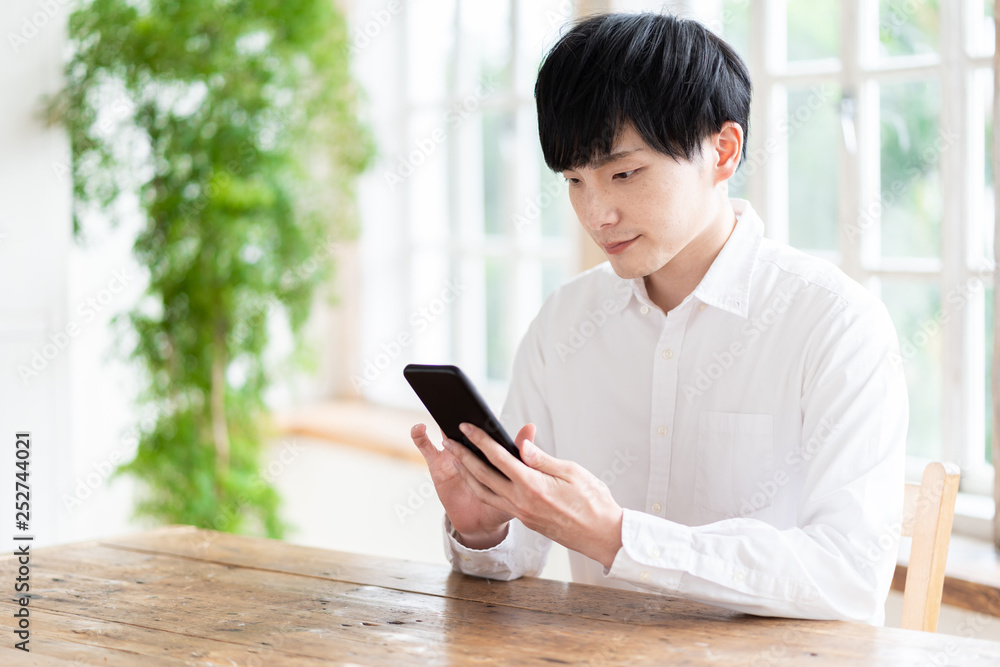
[{"x": 643, "y": 207}]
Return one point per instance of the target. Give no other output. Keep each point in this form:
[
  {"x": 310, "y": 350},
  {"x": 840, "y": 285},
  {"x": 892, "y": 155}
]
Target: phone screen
[{"x": 451, "y": 399}]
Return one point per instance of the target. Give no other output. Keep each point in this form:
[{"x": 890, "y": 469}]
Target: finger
[
  {"x": 480, "y": 490},
  {"x": 477, "y": 467},
  {"x": 494, "y": 451},
  {"x": 418, "y": 433},
  {"x": 536, "y": 459}
]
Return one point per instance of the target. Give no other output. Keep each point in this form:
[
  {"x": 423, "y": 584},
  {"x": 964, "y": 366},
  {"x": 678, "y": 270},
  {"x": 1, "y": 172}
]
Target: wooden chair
[{"x": 928, "y": 510}]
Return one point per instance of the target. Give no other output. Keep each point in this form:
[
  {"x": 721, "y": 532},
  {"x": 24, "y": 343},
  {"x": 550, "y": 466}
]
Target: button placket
[{"x": 664, "y": 400}]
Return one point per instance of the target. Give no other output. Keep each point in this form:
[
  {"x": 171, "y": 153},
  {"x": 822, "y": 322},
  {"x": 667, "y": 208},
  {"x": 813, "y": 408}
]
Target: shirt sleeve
[
  {"x": 523, "y": 551},
  {"x": 837, "y": 561}
]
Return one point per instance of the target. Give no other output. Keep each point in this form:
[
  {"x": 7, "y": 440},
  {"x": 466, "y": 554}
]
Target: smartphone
[{"x": 451, "y": 399}]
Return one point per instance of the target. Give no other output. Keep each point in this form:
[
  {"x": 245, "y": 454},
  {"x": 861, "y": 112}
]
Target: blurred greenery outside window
[{"x": 880, "y": 115}]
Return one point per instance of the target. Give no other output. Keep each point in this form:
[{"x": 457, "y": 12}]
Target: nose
[{"x": 600, "y": 210}]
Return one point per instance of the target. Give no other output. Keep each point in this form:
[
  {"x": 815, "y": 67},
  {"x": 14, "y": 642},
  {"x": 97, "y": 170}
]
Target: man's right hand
[{"x": 478, "y": 525}]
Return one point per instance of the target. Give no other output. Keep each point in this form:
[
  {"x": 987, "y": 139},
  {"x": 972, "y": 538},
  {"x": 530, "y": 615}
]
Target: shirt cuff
[
  {"x": 655, "y": 552},
  {"x": 497, "y": 562}
]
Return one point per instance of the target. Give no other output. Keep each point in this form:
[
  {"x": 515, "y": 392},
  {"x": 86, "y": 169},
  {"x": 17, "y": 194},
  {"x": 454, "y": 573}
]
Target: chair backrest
[{"x": 928, "y": 510}]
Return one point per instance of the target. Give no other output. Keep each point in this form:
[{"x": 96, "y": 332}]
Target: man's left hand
[{"x": 555, "y": 498}]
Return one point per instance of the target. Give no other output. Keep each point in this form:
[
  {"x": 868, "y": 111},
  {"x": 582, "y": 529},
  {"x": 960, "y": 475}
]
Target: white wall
[
  {"x": 56, "y": 300},
  {"x": 34, "y": 244}
]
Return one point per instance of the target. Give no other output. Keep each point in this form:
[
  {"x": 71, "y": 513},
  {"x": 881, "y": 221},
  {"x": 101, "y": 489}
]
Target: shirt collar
[{"x": 726, "y": 285}]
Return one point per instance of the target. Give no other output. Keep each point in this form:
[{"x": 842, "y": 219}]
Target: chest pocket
[{"x": 735, "y": 475}]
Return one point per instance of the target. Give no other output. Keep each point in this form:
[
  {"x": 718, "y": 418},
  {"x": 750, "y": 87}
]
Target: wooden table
[{"x": 179, "y": 596}]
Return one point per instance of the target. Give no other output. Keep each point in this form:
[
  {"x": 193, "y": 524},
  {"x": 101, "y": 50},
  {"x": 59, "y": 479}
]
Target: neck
[{"x": 669, "y": 285}]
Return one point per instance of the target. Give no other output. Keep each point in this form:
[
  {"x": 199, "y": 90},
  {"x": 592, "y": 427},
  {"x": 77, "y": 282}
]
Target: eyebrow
[{"x": 611, "y": 157}]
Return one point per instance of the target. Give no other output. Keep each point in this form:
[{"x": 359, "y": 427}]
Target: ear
[{"x": 727, "y": 147}]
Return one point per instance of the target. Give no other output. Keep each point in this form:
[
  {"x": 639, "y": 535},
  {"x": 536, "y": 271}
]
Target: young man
[{"x": 709, "y": 414}]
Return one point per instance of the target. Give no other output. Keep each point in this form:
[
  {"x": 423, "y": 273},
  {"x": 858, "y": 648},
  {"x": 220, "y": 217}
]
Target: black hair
[{"x": 671, "y": 79}]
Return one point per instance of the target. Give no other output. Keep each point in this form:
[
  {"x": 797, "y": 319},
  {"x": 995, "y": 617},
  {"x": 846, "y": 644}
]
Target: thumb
[
  {"x": 535, "y": 458},
  {"x": 527, "y": 432}
]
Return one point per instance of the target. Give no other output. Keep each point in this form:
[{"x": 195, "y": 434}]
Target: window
[
  {"x": 476, "y": 228},
  {"x": 870, "y": 145}
]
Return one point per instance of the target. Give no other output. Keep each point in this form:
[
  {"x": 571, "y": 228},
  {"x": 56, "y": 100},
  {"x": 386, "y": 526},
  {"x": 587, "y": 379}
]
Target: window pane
[
  {"x": 916, "y": 311},
  {"x": 736, "y": 31},
  {"x": 429, "y": 314},
  {"x": 423, "y": 170},
  {"x": 540, "y": 22},
  {"x": 486, "y": 38},
  {"x": 554, "y": 274},
  {"x": 431, "y": 48},
  {"x": 736, "y": 26},
  {"x": 498, "y": 135},
  {"x": 813, "y": 130},
  {"x": 908, "y": 27},
  {"x": 553, "y": 205},
  {"x": 738, "y": 188},
  {"x": 984, "y": 81},
  {"x": 990, "y": 332},
  {"x": 498, "y": 345},
  {"x": 911, "y": 144},
  {"x": 813, "y": 29},
  {"x": 982, "y": 33}
]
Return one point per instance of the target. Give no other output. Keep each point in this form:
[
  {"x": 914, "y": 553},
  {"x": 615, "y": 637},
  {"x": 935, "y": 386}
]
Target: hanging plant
[{"x": 232, "y": 126}]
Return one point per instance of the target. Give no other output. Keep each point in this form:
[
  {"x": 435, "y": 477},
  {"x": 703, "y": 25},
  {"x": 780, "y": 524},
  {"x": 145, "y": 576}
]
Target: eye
[
  {"x": 625, "y": 174},
  {"x": 571, "y": 180}
]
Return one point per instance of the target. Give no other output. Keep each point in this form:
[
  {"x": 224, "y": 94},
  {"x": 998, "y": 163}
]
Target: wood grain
[
  {"x": 184, "y": 596},
  {"x": 928, "y": 511}
]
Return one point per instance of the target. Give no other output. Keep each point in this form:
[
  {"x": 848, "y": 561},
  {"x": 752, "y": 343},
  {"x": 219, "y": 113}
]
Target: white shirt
[{"x": 754, "y": 435}]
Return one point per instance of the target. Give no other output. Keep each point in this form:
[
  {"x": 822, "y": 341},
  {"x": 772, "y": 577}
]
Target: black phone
[{"x": 449, "y": 396}]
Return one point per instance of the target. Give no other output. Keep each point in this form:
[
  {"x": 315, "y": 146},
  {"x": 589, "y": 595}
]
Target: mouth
[{"x": 616, "y": 248}]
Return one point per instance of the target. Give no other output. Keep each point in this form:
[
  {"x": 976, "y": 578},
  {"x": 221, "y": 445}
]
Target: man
[{"x": 710, "y": 414}]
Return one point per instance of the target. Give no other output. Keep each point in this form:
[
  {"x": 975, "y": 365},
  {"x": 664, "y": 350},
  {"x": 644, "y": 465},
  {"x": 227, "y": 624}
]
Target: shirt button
[
  {"x": 657, "y": 508},
  {"x": 663, "y": 430},
  {"x": 668, "y": 354},
  {"x": 644, "y": 576},
  {"x": 644, "y": 310},
  {"x": 738, "y": 577},
  {"x": 701, "y": 306},
  {"x": 654, "y": 552}
]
